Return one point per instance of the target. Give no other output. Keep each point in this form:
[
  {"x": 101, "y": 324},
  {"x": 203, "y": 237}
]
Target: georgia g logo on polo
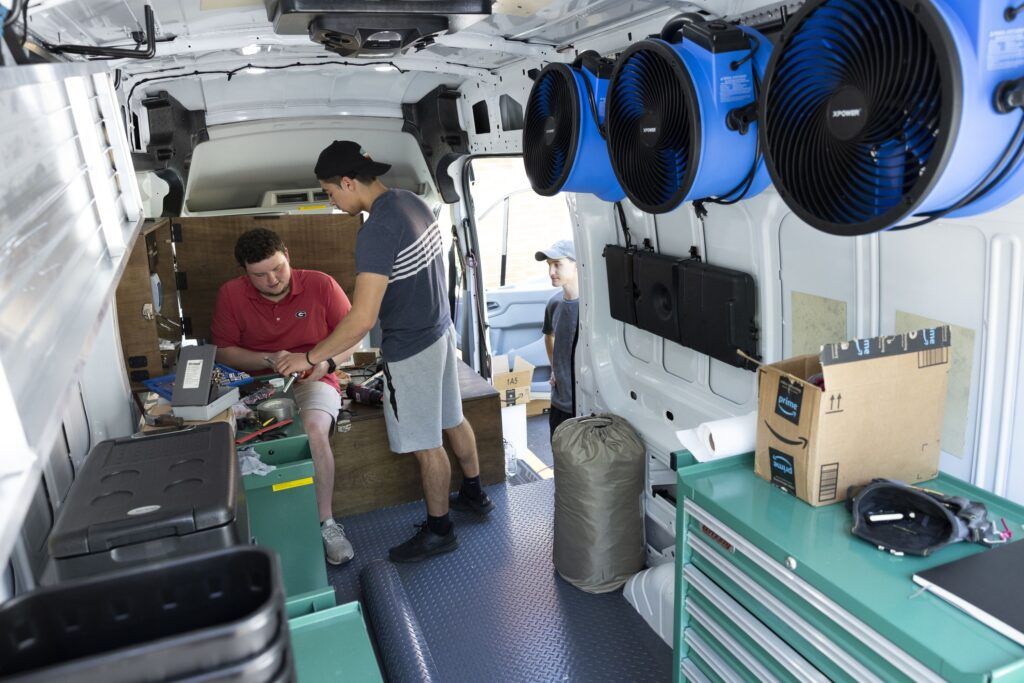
[{"x": 300, "y": 314}]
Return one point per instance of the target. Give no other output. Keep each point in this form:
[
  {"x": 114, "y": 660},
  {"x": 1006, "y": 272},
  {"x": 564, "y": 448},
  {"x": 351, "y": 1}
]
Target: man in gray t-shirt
[
  {"x": 400, "y": 280},
  {"x": 561, "y": 320}
]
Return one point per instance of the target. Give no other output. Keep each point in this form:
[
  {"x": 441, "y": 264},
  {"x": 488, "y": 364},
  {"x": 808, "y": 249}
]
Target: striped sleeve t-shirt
[{"x": 401, "y": 240}]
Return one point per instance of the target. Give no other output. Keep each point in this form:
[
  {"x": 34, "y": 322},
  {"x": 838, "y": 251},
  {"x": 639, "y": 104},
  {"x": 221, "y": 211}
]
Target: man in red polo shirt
[{"x": 273, "y": 310}]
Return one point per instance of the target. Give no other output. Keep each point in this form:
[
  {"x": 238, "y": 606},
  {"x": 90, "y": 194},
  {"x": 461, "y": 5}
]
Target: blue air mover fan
[
  {"x": 681, "y": 115},
  {"x": 878, "y": 110},
  {"x": 563, "y": 140}
]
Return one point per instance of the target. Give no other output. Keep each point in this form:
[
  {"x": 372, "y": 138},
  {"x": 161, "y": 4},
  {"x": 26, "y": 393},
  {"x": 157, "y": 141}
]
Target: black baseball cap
[{"x": 346, "y": 159}]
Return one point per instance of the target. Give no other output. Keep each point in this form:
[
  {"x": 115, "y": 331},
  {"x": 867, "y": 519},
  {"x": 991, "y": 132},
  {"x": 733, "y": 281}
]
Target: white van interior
[{"x": 765, "y": 198}]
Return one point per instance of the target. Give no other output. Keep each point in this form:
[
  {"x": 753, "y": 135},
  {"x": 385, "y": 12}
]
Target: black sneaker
[
  {"x": 424, "y": 544},
  {"x": 463, "y": 503}
]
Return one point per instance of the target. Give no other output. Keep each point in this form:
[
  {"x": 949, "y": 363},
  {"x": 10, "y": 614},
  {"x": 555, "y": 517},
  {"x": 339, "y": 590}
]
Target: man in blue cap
[
  {"x": 561, "y": 320},
  {"x": 400, "y": 280}
]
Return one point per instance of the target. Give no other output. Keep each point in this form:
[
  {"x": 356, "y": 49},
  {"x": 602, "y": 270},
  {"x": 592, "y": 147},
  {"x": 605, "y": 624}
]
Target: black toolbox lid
[{"x": 138, "y": 489}]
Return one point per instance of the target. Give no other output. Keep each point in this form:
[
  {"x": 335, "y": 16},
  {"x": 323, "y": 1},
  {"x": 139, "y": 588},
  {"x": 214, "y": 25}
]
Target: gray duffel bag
[{"x": 599, "y": 519}]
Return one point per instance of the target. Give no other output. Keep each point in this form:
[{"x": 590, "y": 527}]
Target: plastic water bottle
[{"x": 510, "y": 459}]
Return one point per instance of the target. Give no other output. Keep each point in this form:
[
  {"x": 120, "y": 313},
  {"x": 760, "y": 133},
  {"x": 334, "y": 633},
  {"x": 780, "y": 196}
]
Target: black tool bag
[{"x": 905, "y": 519}]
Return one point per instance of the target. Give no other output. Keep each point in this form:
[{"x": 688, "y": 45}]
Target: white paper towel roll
[
  {"x": 691, "y": 442},
  {"x": 720, "y": 438},
  {"x": 731, "y": 436}
]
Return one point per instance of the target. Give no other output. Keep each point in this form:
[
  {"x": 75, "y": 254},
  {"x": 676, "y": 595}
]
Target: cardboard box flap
[
  {"x": 846, "y": 364},
  {"x": 520, "y": 370},
  {"x": 927, "y": 341},
  {"x": 799, "y": 367}
]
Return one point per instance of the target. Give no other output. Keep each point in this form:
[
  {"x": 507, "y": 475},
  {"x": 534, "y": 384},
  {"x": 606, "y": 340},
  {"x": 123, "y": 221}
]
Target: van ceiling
[
  {"x": 241, "y": 161},
  {"x": 220, "y": 45},
  {"x": 203, "y": 32},
  {"x": 223, "y": 56}
]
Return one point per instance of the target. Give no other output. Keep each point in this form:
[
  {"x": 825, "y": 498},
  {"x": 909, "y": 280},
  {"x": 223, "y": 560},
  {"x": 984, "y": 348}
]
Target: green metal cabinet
[
  {"x": 330, "y": 643},
  {"x": 769, "y": 588},
  {"x": 282, "y": 510}
]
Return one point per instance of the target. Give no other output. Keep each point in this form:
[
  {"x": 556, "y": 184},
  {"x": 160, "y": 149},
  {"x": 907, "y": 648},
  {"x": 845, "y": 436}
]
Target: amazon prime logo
[
  {"x": 789, "y": 400},
  {"x": 783, "y": 470}
]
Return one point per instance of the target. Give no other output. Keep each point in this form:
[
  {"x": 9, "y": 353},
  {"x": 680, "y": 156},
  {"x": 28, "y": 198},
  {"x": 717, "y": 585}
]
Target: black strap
[
  {"x": 622, "y": 224},
  {"x": 473, "y": 263}
]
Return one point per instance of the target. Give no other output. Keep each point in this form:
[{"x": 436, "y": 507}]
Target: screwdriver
[{"x": 291, "y": 378}]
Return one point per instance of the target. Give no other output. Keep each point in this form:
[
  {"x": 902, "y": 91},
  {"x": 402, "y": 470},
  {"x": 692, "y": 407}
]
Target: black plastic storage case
[
  {"x": 216, "y": 616},
  {"x": 151, "y": 497}
]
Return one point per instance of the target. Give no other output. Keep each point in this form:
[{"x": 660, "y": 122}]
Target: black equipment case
[{"x": 150, "y": 497}]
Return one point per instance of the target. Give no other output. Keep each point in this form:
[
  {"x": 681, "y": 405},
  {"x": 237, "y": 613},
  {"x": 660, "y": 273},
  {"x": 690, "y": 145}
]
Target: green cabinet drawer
[
  {"x": 821, "y": 649},
  {"x": 283, "y": 514},
  {"x": 761, "y": 651},
  {"x": 710, "y": 665}
]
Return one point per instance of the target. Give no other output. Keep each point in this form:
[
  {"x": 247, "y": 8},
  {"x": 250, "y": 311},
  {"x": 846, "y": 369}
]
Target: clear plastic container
[{"x": 511, "y": 459}]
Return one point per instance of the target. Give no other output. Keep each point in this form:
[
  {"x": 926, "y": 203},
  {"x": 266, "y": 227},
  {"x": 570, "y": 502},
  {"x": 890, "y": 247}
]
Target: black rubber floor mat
[{"x": 495, "y": 610}]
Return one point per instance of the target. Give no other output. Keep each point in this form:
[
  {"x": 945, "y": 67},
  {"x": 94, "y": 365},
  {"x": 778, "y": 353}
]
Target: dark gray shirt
[
  {"x": 401, "y": 240},
  {"x": 560, "y": 319}
]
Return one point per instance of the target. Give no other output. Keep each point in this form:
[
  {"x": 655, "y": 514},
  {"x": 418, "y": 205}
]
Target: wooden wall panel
[
  {"x": 205, "y": 254},
  {"x": 139, "y": 338},
  {"x": 368, "y": 476},
  {"x": 161, "y": 262}
]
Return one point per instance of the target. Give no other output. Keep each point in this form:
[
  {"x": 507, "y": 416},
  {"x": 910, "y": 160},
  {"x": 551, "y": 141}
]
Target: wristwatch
[{"x": 331, "y": 366}]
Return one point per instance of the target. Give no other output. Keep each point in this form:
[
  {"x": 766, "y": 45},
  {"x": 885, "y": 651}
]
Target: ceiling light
[
  {"x": 383, "y": 67},
  {"x": 250, "y": 49},
  {"x": 384, "y": 37},
  {"x": 255, "y": 70}
]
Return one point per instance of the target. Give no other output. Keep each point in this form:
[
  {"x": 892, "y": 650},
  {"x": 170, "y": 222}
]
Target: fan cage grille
[
  {"x": 552, "y": 112},
  {"x": 651, "y": 88},
  {"x": 856, "y": 177}
]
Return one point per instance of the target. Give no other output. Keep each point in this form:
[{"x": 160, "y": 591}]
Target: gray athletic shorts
[{"x": 421, "y": 396}]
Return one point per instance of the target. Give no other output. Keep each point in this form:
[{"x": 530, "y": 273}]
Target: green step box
[
  {"x": 283, "y": 514},
  {"x": 330, "y": 643}
]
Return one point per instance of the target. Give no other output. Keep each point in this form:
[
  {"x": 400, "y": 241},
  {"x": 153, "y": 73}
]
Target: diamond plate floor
[{"x": 495, "y": 610}]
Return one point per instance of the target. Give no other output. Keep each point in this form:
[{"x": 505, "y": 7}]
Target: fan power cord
[
  {"x": 622, "y": 222},
  {"x": 1007, "y": 162},
  {"x": 1011, "y": 12}
]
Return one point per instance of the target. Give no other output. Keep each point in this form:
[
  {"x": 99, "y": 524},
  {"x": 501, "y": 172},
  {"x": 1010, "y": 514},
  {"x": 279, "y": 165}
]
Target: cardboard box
[
  {"x": 363, "y": 358},
  {"x": 512, "y": 381},
  {"x": 537, "y": 406},
  {"x": 880, "y": 415}
]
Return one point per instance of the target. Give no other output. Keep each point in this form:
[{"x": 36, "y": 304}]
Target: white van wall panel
[
  {"x": 730, "y": 240},
  {"x": 68, "y": 212},
  {"x": 606, "y": 369},
  {"x": 816, "y": 268},
  {"x": 924, "y": 284},
  {"x": 107, "y": 395},
  {"x": 969, "y": 273}
]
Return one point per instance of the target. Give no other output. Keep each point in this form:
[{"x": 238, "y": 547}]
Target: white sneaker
[{"x": 337, "y": 548}]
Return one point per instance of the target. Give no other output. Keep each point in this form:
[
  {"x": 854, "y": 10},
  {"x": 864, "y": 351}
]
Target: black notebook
[{"x": 986, "y": 586}]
